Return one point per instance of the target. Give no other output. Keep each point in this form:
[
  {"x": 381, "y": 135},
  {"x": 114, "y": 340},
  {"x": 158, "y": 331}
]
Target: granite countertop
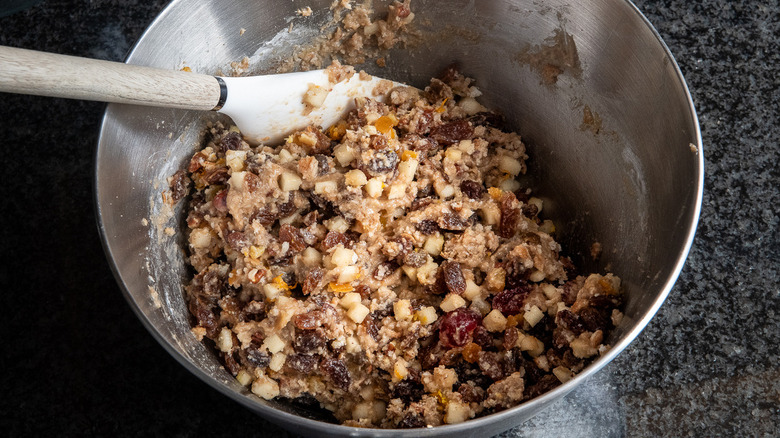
[{"x": 76, "y": 360}]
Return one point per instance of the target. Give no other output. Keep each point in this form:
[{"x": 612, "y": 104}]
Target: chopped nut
[
  {"x": 426, "y": 315},
  {"x": 494, "y": 321},
  {"x": 326, "y": 187},
  {"x": 452, "y": 302},
  {"x": 472, "y": 290},
  {"x": 509, "y": 165},
  {"x": 533, "y": 316},
  {"x": 562, "y": 373},
  {"x": 358, "y": 312},
  {"x": 265, "y": 387},
  {"x": 434, "y": 244},
  {"x": 344, "y": 154},
  {"x": 355, "y": 178},
  {"x": 289, "y": 181},
  {"x": 374, "y": 187},
  {"x": 273, "y": 343},
  {"x": 277, "y": 361},
  {"x": 349, "y": 299},
  {"x": 402, "y": 310}
]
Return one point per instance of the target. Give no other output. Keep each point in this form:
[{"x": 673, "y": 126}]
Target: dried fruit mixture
[{"x": 389, "y": 268}]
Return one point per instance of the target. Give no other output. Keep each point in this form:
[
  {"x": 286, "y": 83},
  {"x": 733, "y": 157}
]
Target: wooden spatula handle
[{"x": 46, "y": 74}]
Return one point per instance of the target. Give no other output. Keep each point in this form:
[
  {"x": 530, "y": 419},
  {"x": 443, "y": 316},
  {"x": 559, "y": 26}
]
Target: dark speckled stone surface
[{"x": 76, "y": 361}]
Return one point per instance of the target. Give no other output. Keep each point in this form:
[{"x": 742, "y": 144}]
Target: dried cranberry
[
  {"x": 180, "y": 185},
  {"x": 303, "y": 363},
  {"x": 472, "y": 189},
  {"x": 510, "y": 301},
  {"x": 456, "y": 327},
  {"x": 453, "y": 277},
  {"x": 452, "y": 132},
  {"x": 338, "y": 373}
]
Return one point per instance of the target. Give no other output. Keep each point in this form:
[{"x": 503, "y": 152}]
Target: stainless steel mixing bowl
[{"x": 614, "y": 143}]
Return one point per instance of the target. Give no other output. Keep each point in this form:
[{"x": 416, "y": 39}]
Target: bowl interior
[{"x": 614, "y": 145}]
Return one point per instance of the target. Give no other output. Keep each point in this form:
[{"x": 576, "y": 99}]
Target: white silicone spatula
[{"x": 265, "y": 108}]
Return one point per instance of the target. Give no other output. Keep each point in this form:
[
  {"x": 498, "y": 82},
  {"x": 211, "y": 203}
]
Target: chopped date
[
  {"x": 180, "y": 185},
  {"x": 509, "y": 216},
  {"x": 311, "y": 282},
  {"x": 472, "y": 189},
  {"x": 292, "y": 235},
  {"x": 456, "y": 327},
  {"x": 338, "y": 373},
  {"x": 302, "y": 363},
  {"x": 452, "y": 132},
  {"x": 427, "y": 226},
  {"x": 510, "y": 301},
  {"x": 308, "y": 341},
  {"x": 453, "y": 277}
]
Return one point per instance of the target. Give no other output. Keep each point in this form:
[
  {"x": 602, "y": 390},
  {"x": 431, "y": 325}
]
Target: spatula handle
[{"x": 46, "y": 74}]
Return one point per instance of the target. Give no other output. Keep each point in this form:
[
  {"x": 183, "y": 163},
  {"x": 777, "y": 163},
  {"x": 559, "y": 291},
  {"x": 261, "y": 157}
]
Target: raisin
[
  {"x": 452, "y": 222},
  {"x": 424, "y": 123},
  {"x": 220, "y": 201},
  {"x": 472, "y": 189},
  {"x": 456, "y": 327},
  {"x": 510, "y": 338},
  {"x": 286, "y": 209},
  {"x": 311, "y": 283},
  {"x": 471, "y": 393},
  {"x": 179, "y": 185},
  {"x": 453, "y": 277},
  {"x": 570, "y": 321},
  {"x": 593, "y": 319},
  {"x": 333, "y": 239},
  {"x": 326, "y": 208},
  {"x": 303, "y": 363},
  {"x": 382, "y": 162},
  {"x": 237, "y": 240},
  {"x": 569, "y": 293},
  {"x": 421, "y": 201},
  {"x": 427, "y": 226},
  {"x": 257, "y": 357},
  {"x": 546, "y": 383},
  {"x": 405, "y": 245},
  {"x": 604, "y": 302},
  {"x": 311, "y": 218},
  {"x": 197, "y": 162},
  {"x": 482, "y": 337},
  {"x": 411, "y": 420},
  {"x": 377, "y": 141},
  {"x": 292, "y": 235},
  {"x": 516, "y": 274},
  {"x": 253, "y": 311},
  {"x": 217, "y": 175},
  {"x": 491, "y": 119},
  {"x": 415, "y": 259},
  {"x": 429, "y": 356},
  {"x": 385, "y": 270},
  {"x": 309, "y": 320},
  {"x": 532, "y": 372},
  {"x": 496, "y": 365},
  {"x": 402, "y": 10},
  {"x": 204, "y": 314},
  {"x": 510, "y": 301},
  {"x": 452, "y": 132},
  {"x": 265, "y": 216},
  {"x": 363, "y": 290},
  {"x": 408, "y": 391},
  {"x": 471, "y": 352},
  {"x": 509, "y": 216},
  {"x": 338, "y": 373},
  {"x": 323, "y": 167},
  {"x": 230, "y": 142},
  {"x": 529, "y": 210},
  {"x": 230, "y": 363},
  {"x": 308, "y": 341},
  {"x": 371, "y": 326}
]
